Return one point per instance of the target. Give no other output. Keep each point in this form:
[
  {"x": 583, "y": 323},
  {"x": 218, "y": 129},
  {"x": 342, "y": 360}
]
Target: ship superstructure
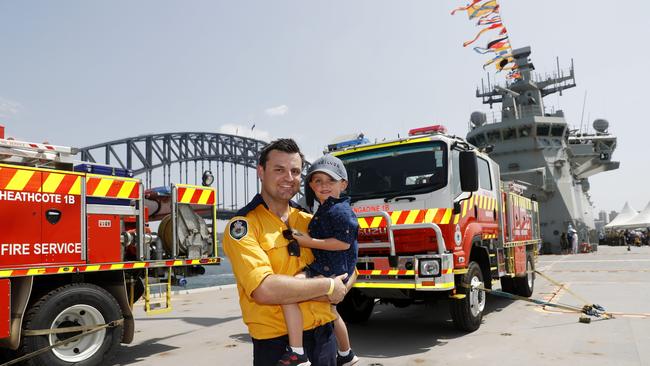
[{"x": 535, "y": 147}]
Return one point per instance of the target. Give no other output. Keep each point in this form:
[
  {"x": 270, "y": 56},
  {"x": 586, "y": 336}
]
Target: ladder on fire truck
[
  {"x": 29, "y": 153},
  {"x": 160, "y": 301}
]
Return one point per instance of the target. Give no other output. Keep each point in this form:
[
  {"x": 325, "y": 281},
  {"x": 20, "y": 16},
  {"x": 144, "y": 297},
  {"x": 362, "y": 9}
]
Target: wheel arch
[
  {"x": 471, "y": 234},
  {"x": 21, "y": 289},
  {"x": 481, "y": 256}
]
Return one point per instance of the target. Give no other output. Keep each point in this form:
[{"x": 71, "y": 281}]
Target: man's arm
[
  {"x": 332, "y": 244},
  {"x": 281, "y": 289}
]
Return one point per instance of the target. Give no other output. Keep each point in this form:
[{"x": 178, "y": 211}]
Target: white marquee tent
[
  {"x": 641, "y": 220},
  {"x": 626, "y": 214}
]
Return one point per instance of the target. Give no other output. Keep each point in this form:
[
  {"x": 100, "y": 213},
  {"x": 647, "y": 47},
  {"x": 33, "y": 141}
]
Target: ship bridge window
[
  {"x": 524, "y": 131},
  {"x": 509, "y": 133},
  {"x": 543, "y": 130},
  {"x": 485, "y": 182},
  {"x": 494, "y": 136},
  {"x": 557, "y": 131}
]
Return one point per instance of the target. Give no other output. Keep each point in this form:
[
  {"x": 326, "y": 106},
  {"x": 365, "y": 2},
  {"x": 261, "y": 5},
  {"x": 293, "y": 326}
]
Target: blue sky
[{"x": 83, "y": 72}]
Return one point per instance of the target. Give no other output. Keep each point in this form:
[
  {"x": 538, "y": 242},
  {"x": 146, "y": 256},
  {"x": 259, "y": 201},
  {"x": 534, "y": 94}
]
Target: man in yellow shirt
[{"x": 264, "y": 267}]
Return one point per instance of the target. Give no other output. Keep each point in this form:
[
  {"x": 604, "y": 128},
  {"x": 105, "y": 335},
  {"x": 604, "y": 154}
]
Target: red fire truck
[
  {"x": 76, "y": 252},
  {"x": 435, "y": 223}
]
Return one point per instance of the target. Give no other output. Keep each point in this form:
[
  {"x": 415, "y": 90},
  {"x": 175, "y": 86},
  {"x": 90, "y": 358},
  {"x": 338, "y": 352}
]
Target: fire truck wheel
[
  {"x": 71, "y": 305},
  {"x": 355, "y": 307},
  {"x": 525, "y": 285},
  {"x": 507, "y": 284},
  {"x": 467, "y": 312}
]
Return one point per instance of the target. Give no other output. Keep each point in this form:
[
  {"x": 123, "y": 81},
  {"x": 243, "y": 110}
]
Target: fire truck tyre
[
  {"x": 525, "y": 285},
  {"x": 400, "y": 303},
  {"x": 467, "y": 312},
  {"x": 355, "y": 307},
  {"x": 138, "y": 288},
  {"x": 7, "y": 355},
  {"x": 507, "y": 284},
  {"x": 76, "y": 304}
]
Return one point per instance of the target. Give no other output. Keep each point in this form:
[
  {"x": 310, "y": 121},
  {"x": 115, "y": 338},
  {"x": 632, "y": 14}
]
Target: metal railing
[{"x": 390, "y": 228}]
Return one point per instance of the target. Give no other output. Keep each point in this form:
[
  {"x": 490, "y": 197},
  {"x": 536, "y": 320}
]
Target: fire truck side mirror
[{"x": 468, "y": 171}]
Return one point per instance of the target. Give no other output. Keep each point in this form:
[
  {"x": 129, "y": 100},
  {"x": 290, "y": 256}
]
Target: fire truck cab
[{"x": 435, "y": 222}]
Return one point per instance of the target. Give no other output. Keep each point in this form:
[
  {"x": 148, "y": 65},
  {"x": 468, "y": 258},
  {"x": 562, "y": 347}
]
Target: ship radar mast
[{"x": 524, "y": 96}]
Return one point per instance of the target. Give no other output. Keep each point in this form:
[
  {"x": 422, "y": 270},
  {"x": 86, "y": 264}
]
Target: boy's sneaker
[
  {"x": 291, "y": 358},
  {"x": 348, "y": 360}
]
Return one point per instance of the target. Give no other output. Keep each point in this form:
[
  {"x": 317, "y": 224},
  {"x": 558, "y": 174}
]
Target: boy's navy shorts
[{"x": 319, "y": 344}]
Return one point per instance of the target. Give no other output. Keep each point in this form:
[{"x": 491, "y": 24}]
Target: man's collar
[{"x": 256, "y": 201}]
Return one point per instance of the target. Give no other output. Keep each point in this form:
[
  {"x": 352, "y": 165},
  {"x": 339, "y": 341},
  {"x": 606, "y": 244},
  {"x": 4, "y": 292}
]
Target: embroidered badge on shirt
[{"x": 238, "y": 229}]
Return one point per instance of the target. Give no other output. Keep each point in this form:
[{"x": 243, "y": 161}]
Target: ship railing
[{"x": 497, "y": 116}]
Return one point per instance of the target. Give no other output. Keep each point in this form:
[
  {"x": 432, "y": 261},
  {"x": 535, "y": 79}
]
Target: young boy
[{"x": 333, "y": 238}]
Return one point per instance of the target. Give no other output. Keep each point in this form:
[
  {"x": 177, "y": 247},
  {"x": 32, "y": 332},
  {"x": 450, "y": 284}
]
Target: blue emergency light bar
[
  {"x": 162, "y": 191},
  {"x": 348, "y": 143},
  {"x": 103, "y": 170}
]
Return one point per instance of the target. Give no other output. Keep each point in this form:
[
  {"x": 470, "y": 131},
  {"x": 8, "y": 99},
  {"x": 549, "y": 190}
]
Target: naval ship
[{"x": 536, "y": 148}]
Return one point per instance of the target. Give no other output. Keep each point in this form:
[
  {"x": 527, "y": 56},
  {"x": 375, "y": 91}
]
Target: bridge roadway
[{"x": 206, "y": 327}]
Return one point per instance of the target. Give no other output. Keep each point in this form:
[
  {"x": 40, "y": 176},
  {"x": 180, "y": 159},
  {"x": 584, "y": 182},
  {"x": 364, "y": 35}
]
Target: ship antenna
[
  {"x": 557, "y": 62},
  {"x": 584, "y": 102},
  {"x": 489, "y": 87},
  {"x": 483, "y": 91}
]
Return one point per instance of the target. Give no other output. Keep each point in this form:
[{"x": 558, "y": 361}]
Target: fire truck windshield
[{"x": 396, "y": 170}]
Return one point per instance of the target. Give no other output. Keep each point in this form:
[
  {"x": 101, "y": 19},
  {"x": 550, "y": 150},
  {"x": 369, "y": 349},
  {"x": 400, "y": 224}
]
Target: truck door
[
  {"x": 20, "y": 214},
  {"x": 485, "y": 201},
  {"x": 61, "y": 218}
]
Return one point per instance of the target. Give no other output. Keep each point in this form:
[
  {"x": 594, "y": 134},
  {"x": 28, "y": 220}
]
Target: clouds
[
  {"x": 277, "y": 111},
  {"x": 245, "y": 131},
  {"x": 256, "y": 133},
  {"x": 9, "y": 108}
]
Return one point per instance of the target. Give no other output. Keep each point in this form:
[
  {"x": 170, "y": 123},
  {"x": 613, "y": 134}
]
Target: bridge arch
[{"x": 159, "y": 157}]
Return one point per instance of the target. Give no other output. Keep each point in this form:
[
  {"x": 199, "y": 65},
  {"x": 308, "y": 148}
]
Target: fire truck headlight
[{"x": 429, "y": 267}]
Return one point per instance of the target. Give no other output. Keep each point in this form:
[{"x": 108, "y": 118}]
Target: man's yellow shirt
[{"x": 256, "y": 248}]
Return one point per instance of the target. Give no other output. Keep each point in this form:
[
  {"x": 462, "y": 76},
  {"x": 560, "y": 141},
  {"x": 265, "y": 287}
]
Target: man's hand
[{"x": 340, "y": 289}]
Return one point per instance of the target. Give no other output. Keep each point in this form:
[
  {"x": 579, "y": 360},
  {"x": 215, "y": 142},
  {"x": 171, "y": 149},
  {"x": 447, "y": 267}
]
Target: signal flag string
[{"x": 488, "y": 16}]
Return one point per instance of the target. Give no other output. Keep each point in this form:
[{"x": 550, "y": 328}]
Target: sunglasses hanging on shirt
[{"x": 293, "y": 247}]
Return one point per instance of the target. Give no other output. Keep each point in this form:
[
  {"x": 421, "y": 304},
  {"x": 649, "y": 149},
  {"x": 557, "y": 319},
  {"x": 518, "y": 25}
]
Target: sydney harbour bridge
[{"x": 183, "y": 157}]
